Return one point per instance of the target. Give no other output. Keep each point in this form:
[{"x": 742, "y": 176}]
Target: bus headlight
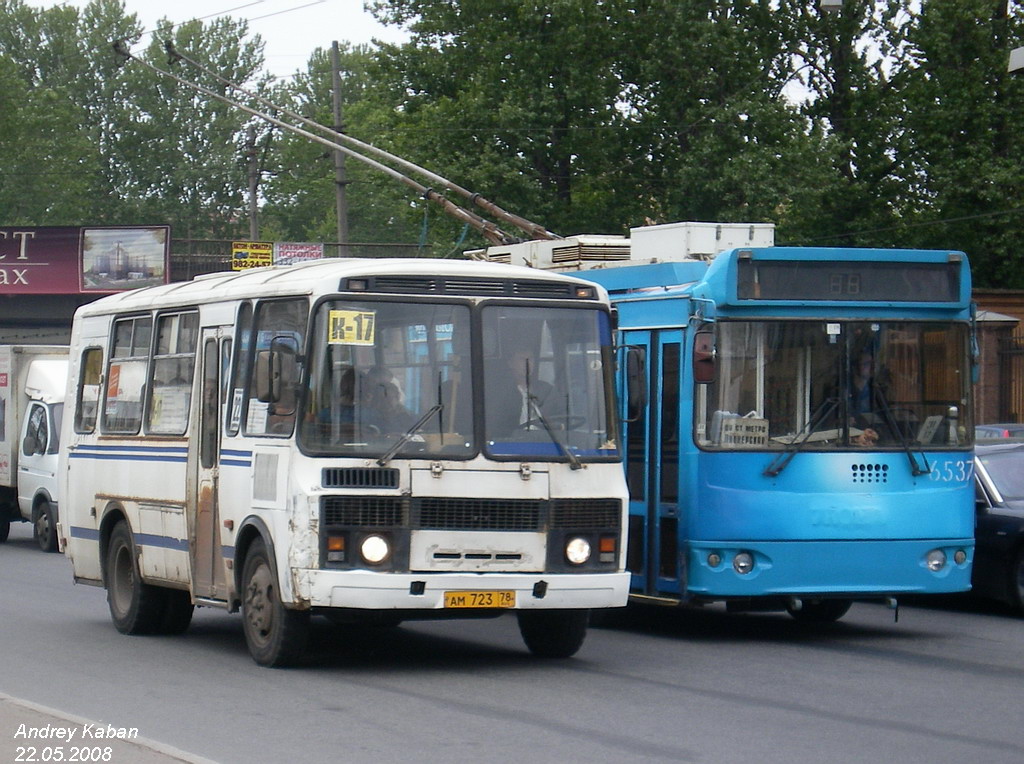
[
  {"x": 743, "y": 563},
  {"x": 375, "y": 549},
  {"x": 714, "y": 560},
  {"x": 577, "y": 551},
  {"x": 935, "y": 560},
  {"x": 960, "y": 557}
]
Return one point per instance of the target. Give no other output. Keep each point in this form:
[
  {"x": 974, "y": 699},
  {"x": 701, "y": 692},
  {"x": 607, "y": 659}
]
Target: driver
[{"x": 518, "y": 390}]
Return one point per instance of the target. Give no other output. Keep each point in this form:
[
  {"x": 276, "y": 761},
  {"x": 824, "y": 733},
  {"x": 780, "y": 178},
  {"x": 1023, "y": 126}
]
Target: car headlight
[
  {"x": 577, "y": 551},
  {"x": 375, "y": 549},
  {"x": 743, "y": 563},
  {"x": 935, "y": 560}
]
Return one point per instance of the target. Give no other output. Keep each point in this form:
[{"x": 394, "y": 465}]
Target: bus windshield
[
  {"x": 391, "y": 378},
  {"x": 378, "y": 367},
  {"x": 821, "y": 385},
  {"x": 546, "y": 383}
]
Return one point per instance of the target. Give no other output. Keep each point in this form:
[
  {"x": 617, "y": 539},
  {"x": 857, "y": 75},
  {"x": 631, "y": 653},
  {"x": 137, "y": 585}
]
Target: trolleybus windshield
[{"x": 824, "y": 385}]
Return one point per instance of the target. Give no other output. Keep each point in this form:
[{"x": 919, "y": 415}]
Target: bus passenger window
[
  {"x": 89, "y": 390},
  {"x": 126, "y": 375}
]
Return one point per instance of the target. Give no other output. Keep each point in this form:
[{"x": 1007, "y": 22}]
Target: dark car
[
  {"x": 1005, "y": 430},
  {"x": 999, "y": 533}
]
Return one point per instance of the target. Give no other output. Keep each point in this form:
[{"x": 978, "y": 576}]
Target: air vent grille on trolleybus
[{"x": 426, "y": 285}]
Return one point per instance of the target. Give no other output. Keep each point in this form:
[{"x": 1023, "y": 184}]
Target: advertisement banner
[
  {"x": 251, "y": 254},
  {"x": 288, "y": 252},
  {"x": 82, "y": 259}
]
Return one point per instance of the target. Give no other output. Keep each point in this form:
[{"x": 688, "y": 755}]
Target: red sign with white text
[{"x": 80, "y": 259}]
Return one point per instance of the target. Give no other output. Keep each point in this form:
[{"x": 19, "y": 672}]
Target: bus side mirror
[
  {"x": 636, "y": 383},
  {"x": 704, "y": 367},
  {"x": 267, "y": 376}
]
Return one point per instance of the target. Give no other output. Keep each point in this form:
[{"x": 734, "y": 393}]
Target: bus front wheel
[
  {"x": 276, "y": 636},
  {"x": 553, "y": 633},
  {"x": 820, "y": 611},
  {"x": 135, "y": 607}
]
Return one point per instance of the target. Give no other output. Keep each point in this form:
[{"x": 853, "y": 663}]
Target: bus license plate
[{"x": 486, "y": 599}]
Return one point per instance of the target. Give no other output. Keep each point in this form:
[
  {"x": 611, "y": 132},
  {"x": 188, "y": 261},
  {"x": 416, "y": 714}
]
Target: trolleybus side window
[
  {"x": 280, "y": 334},
  {"x": 126, "y": 375},
  {"x": 170, "y": 388},
  {"x": 89, "y": 379}
]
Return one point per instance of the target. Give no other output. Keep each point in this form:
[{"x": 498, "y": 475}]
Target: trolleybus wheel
[
  {"x": 553, "y": 633},
  {"x": 1017, "y": 580},
  {"x": 276, "y": 635},
  {"x": 45, "y": 528},
  {"x": 177, "y": 613},
  {"x": 135, "y": 607},
  {"x": 821, "y": 611}
]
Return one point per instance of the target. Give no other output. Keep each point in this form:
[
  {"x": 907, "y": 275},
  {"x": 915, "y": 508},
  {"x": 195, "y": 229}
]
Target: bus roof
[{"x": 322, "y": 277}]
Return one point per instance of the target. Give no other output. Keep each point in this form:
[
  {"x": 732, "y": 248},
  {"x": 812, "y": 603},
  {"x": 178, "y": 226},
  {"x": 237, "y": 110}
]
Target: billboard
[{"x": 82, "y": 259}]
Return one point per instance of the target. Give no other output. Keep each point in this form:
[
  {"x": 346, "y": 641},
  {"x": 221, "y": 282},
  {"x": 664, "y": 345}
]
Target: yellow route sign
[{"x": 351, "y": 327}]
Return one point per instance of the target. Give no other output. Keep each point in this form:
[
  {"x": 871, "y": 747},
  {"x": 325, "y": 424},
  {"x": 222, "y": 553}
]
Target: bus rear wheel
[
  {"x": 820, "y": 611},
  {"x": 553, "y": 633},
  {"x": 276, "y": 636},
  {"x": 135, "y": 607}
]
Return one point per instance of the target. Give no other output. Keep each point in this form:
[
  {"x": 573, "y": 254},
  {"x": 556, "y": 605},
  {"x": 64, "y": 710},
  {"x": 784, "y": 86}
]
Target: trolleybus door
[
  {"x": 208, "y": 566},
  {"x": 652, "y": 468}
]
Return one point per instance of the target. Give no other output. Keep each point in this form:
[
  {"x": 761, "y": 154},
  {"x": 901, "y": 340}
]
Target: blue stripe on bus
[
  {"x": 131, "y": 453},
  {"x": 143, "y": 539},
  {"x": 240, "y": 458}
]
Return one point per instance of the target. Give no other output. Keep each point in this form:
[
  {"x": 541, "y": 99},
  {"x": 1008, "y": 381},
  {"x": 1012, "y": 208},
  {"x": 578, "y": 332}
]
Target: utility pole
[
  {"x": 254, "y": 182},
  {"x": 340, "y": 182}
]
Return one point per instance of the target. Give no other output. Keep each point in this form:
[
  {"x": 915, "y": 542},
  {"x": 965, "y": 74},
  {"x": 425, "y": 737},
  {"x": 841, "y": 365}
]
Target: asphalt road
[{"x": 944, "y": 684}]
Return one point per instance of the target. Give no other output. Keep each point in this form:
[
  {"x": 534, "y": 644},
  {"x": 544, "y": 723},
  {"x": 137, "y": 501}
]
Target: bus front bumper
[{"x": 411, "y": 591}]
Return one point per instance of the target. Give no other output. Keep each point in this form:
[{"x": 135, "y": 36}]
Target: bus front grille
[
  {"x": 482, "y": 514},
  {"x": 377, "y": 511},
  {"x": 604, "y": 514}
]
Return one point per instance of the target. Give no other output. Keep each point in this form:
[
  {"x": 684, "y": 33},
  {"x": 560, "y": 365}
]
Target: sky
[{"x": 291, "y": 29}]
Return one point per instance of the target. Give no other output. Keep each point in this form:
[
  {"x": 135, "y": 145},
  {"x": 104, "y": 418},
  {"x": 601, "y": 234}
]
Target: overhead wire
[
  {"x": 489, "y": 230},
  {"x": 532, "y": 229}
]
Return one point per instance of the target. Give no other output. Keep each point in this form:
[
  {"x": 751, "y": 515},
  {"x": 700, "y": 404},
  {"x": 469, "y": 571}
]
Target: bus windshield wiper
[
  {"x": 407, "y": 436},
  {"x": 892, "y": 424},
  {"x": 780, "y": 462},
  {"x": 574, "y": 461}
]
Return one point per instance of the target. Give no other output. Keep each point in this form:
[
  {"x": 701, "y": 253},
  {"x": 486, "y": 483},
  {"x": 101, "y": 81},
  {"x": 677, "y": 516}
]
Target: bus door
[
  {"x": 652, "y": 468},
  {"x": 207, "y": 564}
]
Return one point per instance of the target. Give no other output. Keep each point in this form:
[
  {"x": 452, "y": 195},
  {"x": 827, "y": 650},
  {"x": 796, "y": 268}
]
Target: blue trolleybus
[{"x": 808, "y": 434}]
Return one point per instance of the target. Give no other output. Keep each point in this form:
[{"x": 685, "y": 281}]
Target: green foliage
[{"x": 888, "y": 123}]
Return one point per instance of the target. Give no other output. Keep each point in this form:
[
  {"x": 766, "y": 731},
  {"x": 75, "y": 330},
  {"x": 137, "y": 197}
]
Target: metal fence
[
  {"x": 193, "y": 257},
  {"x": 1011, "y": 378}
]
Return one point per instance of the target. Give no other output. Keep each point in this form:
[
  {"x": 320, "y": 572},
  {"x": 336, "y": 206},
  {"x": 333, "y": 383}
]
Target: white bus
[{"x": 369, "y": 440}]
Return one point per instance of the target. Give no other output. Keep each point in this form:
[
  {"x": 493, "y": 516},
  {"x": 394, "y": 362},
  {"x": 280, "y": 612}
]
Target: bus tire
[
  {"x": 276, "y": 636},
  {"x": 553, "y": 633},
  {"x": 5, "y": 527},
  {"x": 821, "y": 611},
  {"x": 44, "y": 526},
  {"x": 177, "y": 615},
  {"x": 135, "y": 607}
]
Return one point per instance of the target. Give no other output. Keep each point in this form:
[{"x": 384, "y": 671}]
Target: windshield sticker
[{"x": 351, "y": 327}]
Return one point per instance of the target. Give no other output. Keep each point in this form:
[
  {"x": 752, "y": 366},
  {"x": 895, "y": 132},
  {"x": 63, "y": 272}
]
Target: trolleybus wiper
[
  {"x": 407, "y": 436},
  {"x": 780, "y": 462},
  {"x": 891, "y": 423},
  {"x": 574, "y": 461}
]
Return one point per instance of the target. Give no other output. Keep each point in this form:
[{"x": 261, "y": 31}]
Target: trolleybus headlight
[
  {"x": 960, "y": 557},
  {"x": 935, "y": 560},
  {"x": 714, "y": 560},
  {"x": 743, "y": 563},
  {"x": 577, "y": 551},
  {"x": 375, "y": 549}
]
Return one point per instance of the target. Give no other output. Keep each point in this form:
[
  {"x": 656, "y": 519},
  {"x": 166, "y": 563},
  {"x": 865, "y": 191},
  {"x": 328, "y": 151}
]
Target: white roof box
[{"x": 673, "y": 242}]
